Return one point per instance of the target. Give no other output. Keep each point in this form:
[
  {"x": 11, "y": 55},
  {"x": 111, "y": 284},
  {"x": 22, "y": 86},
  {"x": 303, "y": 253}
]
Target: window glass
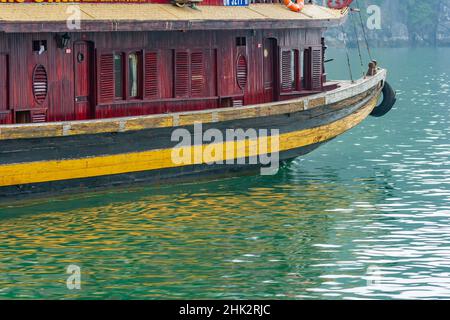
[
  {"x": 301, "y": 69},
  {"x": 241, "y": 41},
  {"x": 133, "y": 61},
  {"x": 306, "y": 69},
  {"x": 293, "y": 69},
  {"x": 118, "y": 75}
]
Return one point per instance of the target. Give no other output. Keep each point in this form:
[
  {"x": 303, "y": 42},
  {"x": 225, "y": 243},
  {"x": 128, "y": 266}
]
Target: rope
[
  {"x": 348, "y": 56},
  {"x": 364, "y": 30},
  {"x": 357, "y": 44}
]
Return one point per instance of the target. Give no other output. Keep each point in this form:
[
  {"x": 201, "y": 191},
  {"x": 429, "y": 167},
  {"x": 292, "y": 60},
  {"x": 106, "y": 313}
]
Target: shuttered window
[
  {"x": 190, "y": 74},
  {"x": 38, "y": 116},
  {"x": 197, "y": 74},
  {"x": 182, "y": 74},
  {"x": 316, "y": 75},
  {"x": 242, "y": 72},
  {"x": 301, "y": 69},
  {"x": 132, "y": 75},
  {"x": 289, "y": 70},
  {"x": 151, "y": 82},
  {"x": 3, "y": 82},
  {"x": 118, "y": 76},
  {"x": 40, "y": 84},
  {"x": 286, "y": 76},
  {"x": 106, "y": 78}
]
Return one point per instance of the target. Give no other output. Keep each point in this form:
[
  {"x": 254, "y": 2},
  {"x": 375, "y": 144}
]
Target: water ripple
[{"x": 365, "y": 217}]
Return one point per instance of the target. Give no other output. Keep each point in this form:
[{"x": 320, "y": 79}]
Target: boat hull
[{"x": 55, "y": 157}]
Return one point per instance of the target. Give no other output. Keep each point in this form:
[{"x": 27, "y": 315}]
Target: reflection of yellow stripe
[{"x": 43, "y": 171}]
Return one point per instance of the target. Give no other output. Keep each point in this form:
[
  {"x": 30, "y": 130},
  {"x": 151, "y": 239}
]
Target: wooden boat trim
[
  {"x": 59, "y": 129},
  {"x": 157, "y": 159},
  {"x": 47, "y": 17}
]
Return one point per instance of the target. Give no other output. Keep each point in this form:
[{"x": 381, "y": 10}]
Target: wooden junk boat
[{"x": 91, "y": 93}]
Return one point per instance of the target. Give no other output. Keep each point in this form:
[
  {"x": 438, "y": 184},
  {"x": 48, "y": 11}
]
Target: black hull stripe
[
  {"x": 82, "y": 146},
  {"x": 170, "y": 175}
]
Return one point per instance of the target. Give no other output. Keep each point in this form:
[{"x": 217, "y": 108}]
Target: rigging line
[
  {"x": 364, "y": 30},
  {"x": 357, "y": 44},
  {"x": 348, "y": 55}
]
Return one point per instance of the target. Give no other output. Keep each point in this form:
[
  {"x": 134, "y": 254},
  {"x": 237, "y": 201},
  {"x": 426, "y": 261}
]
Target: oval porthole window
[
  {"x": 80, "y": 57},
  {"x": 40, "y": 84},
  {"x": 242, "y": 72}
]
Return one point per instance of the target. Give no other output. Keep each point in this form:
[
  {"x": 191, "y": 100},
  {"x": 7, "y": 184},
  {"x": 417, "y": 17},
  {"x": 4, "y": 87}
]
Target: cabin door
[
  {"x": 270, "y": 67},
  {"x": 83, "y": 59}
]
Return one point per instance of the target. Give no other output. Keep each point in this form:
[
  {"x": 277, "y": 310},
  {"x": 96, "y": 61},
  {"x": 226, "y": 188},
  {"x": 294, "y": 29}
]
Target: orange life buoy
[{"x": 296, "y": 7}]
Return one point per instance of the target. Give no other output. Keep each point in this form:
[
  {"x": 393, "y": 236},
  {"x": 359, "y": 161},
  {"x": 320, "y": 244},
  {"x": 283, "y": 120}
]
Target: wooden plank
[
  {"x": 27, "y": 131},
  {"x": 44, "y": 171}
]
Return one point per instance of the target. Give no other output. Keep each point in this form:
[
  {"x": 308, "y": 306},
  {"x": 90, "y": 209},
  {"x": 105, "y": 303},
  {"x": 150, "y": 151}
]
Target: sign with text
[{"x": 236, "y": 3}]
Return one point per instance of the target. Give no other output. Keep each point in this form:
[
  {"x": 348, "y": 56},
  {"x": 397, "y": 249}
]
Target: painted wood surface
[
  {"x": 293, "y": 137},
  {"x": 345, "y": 94},
  {"x": 4, "y": 101},
  {"x": 66, "y": 76}
]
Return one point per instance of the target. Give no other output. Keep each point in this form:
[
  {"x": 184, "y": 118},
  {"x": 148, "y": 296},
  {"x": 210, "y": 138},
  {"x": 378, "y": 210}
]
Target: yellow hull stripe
[{"x": 56, "y": 170}]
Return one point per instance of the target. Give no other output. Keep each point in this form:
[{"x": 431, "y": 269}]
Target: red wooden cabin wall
[
  {"x": 219, "y": 49},
  {"x": 5, "y": 115},
  {"x": 22, "y": 61}
]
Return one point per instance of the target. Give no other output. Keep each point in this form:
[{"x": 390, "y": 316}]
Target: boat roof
[{"x": 52, "y": 17}]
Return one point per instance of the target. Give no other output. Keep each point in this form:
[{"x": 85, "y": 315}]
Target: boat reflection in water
[{"x": 241, "y": 237}]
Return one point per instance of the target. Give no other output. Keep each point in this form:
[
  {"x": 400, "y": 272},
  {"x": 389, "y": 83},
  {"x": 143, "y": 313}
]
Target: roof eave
[{"x": 183, "y": 25}]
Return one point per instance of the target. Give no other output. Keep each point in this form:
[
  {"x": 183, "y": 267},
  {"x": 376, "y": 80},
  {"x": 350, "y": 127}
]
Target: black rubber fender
[{"x": 389, "y": 99}]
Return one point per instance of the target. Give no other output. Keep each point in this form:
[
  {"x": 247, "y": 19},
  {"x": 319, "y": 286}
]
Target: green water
[{"x": 372, "y": 205}]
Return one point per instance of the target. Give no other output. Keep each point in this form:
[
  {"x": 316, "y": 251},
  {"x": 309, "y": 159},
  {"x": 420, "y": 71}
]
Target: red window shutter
[
  {"x": 197, "y": 74},
  {"x": 182, "y": 74},
  {"x": 106, "y": 78},
  {"x": 151, "y": 83},
  {"x": 38, "y": 116},
  {"x": 242, "y": 72},
  {"x": 286, "y": 70},
  {"x": 3, "y": 82},
  {"x": 40, "y": 84},
  {"x": 316, "y": 77}
]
